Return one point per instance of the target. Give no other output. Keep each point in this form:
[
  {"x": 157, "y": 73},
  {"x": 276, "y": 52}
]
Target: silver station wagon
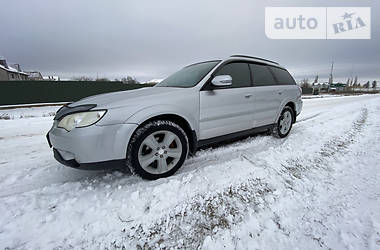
[{"x": 151, "y": 131}]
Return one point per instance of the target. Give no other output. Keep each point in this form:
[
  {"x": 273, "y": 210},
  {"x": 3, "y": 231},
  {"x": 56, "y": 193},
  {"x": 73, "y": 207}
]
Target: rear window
[
  {"x": 282, "y": 76},
  {"x": 261, "y": 75}
]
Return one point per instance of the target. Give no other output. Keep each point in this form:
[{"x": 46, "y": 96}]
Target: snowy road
[{"x": 318, "y": 188}]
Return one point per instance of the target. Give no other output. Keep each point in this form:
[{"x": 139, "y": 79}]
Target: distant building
[
  {"x": 51, "y": 78},
  {"x": 320, "y": 87},
  {"x": 336, "y": 87},
  {"x": 11, "y": 73},
  {"x": 34, "y": 75}
]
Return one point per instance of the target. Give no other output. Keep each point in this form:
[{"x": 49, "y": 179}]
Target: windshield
[{"x": 188, "y": 76}]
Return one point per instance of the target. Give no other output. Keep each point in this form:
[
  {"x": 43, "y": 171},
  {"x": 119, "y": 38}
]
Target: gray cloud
[{"x": 151, "y": 39}]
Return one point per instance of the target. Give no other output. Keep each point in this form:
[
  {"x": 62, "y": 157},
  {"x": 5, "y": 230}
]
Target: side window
[
  {"x": 261, "y": 75},
  {"x": 239, "y": 72},
  {"x": 283, "y": 77}
]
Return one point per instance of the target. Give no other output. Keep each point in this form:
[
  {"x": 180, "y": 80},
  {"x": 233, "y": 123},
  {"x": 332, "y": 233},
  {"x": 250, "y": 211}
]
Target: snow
[
  {"x": 317, "y": 188},
  {"x": 19, "y": 113},
  {"x": 11, "y": 69},
  {"x": 320, "y": 96},
  {"x": 158, "y": 80},
  {"x": 32, "y": 105}
]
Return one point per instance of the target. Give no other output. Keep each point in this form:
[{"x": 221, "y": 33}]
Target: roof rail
[{"x": 252, "y": 57}]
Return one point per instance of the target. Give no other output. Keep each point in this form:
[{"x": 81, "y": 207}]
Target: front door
[{"x": 226, "y": 110}]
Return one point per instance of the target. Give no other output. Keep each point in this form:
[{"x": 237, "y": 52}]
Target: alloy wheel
[{"x": 159, "y": 152}]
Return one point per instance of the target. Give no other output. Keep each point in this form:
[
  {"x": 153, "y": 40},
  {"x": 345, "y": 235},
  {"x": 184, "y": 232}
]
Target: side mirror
[{"x": 222, "y": 80}]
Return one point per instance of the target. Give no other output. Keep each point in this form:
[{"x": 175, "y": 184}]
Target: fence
[{"x": 25, "y": 92}]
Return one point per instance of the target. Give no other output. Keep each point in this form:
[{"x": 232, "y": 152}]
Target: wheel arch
[
  {"x": 292, "y": 105},
  {"x": 182, "y": 121}
]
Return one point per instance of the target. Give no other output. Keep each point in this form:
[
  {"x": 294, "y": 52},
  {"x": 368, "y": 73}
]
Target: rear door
[
  {"x": 226, "y": 110},
  {"x": 266, "y": 95},
  {"x": 286, "y": 84}
]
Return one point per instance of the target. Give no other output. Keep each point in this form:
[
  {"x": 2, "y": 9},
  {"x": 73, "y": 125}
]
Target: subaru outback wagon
[{"x": 152, "y": 130}]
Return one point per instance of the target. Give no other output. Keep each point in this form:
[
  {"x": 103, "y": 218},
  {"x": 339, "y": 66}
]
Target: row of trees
[
  {"x": 351, "y": 82},
  {"x": 367, "y": 85},
  {"x": 126, "y": 80}
]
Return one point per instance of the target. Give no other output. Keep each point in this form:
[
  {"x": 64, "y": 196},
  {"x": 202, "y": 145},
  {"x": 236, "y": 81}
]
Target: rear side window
[
  {"x": 239, "y": 72},
  {"x": 261, "y": 75},
  {"x": 282, "y": 76}
]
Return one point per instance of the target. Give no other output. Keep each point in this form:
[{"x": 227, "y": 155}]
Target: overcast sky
[{"x": 151, "y": 39}]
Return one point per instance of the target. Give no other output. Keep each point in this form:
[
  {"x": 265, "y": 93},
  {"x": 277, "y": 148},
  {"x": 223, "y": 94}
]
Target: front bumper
[
  {"x": 114, "y": 164},
  {"x": 93, "y": 147}
]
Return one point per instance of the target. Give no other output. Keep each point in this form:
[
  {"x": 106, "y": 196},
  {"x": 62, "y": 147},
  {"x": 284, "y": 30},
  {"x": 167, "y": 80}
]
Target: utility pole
[{"x": 331, "y": 74}]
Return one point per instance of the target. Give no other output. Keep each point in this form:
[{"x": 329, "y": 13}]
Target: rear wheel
[
  {"x": 157, "y": 149},
  {"x": 284, "y": 123}
]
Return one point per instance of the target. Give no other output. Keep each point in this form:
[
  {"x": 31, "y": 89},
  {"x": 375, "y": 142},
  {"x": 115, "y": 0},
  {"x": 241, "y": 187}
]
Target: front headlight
[{"x": 82, "y": 119}]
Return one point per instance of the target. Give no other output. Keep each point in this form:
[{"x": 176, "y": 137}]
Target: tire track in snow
[
  {"x": 254, "y": 144},
  {"x": 297, "y": 167},
  {"x": 204, "y": 215},
  {"x": 309, "y": 118}
]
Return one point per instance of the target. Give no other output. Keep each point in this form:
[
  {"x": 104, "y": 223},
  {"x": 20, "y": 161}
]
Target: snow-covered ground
[
  {"x": 317, "y": 188},
  {"x": 319, "y": 96}
]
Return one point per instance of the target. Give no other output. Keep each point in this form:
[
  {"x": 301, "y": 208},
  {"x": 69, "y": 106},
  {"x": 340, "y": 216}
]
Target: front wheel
[
  {"x": 284, "y": 123},
  {"x": 157, "y": 149}
]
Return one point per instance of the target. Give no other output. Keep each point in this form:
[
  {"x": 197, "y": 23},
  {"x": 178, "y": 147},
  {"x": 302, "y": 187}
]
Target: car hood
[{"x": 122, "y": 98}]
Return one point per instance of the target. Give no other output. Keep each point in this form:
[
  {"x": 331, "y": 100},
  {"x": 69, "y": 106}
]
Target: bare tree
[
  {"x": 305, "y": 83},
  {"x": 366, "y": 85},
  {"x": 356, "y": 81},
  {"x": 102, "y": 79},
  {"x": 315, "y": 80},
  {"x": 83, "y": 79},
  {"x": 129, "y": 80},
  {"x": 374, "y": 84}
]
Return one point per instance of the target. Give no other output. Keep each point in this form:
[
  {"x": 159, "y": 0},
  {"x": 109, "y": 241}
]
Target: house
[
  {"x": 320, "y": 87},
  {"x": 34, "y": 75},
  {"x": 337, "y": 87},
  {"x": 11, "y": 72},
  {"x": 51, "y": 78}
]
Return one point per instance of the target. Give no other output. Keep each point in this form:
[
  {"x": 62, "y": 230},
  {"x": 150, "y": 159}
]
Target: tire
[
  {"x": 157, "y": 149},
  {"x": 284, "y": 123}
]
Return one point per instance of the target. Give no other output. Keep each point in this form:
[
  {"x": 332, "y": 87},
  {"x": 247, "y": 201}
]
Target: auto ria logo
[
  {"x": 349, "y": 23},
  {"x": 318, "y": 22}
]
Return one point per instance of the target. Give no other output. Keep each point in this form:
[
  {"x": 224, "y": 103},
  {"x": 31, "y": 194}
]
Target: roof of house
[
  {"x": 34, "y": 74},
  {"x": 10, "y": 69}
]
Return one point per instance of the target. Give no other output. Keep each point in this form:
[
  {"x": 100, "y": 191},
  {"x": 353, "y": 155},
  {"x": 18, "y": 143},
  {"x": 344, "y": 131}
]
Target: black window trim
[
  {"x": 277, "y": 80},
  {"x": 267, "y": 66},
  {"x": 208, "y": 86}
]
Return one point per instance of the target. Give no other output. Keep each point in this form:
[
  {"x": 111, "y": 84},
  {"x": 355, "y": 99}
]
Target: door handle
[
  {"x": 248, "y": 95},
  {"x": 280, "y": 93}
]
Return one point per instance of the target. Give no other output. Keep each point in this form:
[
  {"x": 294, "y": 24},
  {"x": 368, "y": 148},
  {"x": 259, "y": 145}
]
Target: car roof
[
  {"x": 255, "y": 59},
  {"x": 243, "y": 58}
]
